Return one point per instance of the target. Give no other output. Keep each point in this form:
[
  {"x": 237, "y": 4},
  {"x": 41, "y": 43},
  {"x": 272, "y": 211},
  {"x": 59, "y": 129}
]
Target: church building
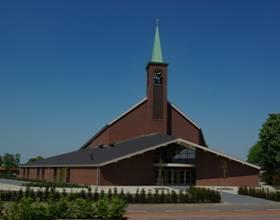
[{"x": 153, "y": 143}]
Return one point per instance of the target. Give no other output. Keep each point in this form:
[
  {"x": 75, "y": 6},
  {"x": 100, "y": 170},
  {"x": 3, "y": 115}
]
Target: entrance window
[
  {"x": 182, "y": 176},
  {"x": 174, "y": 154},
  {"x": 174, "y": 176},
  {"x": 169, "y": 177}
]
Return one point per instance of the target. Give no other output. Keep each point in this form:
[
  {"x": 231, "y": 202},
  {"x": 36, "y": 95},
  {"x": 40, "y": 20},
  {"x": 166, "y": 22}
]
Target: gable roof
[
  {"x": 183, "y": 115},
  {"x": 112, "y": 122},
  {"x": 96, "y": 157},
  {"x": 130, "y": 110},
  {"x": 102, "y": 155}
]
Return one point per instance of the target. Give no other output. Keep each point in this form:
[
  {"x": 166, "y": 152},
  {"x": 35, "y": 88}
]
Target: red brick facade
[
  {"x": 211, "y": 170},
  {"x": 83, "y": 175},
  {"x": 137, "y": 170}
]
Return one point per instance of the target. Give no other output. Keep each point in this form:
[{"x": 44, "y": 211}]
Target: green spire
[{"x": 157, "y": 56}]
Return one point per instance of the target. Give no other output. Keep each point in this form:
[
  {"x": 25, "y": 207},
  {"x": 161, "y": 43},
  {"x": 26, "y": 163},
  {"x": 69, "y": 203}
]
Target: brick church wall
[
  {"x": 137, "y": 170},
  {"x": 209, "y": 171},
  {"x": 181, "y": 127},
  {"x": 83, "y": 175},
  {"x": 131, "y": 125}
]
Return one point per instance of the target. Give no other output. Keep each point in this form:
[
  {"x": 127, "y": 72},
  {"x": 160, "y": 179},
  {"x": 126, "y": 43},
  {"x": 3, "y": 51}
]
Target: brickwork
[
  {"x": 83, "y": 175},
  {"x": 131, "y": 125},
  {"x": 137, "y": 170},
  {"x": 211, "y": 169},
  {"x": 182, "y": 128}
]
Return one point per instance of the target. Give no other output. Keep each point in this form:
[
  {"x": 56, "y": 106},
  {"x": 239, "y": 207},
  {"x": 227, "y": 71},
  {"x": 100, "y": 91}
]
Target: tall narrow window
[
  {"x": 28, "y": 172},
  {"x": 38, "y": 173},
  {"x": 43, "y": 173},
  {"x": 55, "y": 174}
]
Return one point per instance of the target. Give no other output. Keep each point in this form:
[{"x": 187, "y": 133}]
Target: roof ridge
[{"x": 112, "y": 122}]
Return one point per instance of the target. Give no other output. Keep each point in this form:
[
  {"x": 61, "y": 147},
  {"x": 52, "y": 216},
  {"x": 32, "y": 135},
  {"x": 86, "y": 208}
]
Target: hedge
[
  {"x": 28, "y": 209},
  {"x": 193, "y": 195},
  {"x": 259, "y": 193}
]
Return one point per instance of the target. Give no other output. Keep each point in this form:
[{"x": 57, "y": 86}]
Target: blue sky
[{"x": 69, "y": 67}]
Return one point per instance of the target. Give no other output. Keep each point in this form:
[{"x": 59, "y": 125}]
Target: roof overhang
[{"x": 185, "y": 143}]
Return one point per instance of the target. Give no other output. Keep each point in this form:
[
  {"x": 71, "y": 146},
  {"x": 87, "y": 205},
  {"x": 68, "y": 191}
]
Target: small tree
[
  {"x": 10, "y": 161},
  {"x": 269, "y": 141},
  {"x": 254, "y": 155},
  {"x": 33, "y": 159}
]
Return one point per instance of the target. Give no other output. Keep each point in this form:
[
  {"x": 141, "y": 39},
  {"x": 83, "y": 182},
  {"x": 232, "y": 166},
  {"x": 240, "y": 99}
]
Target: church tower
[{"x": 157, "y": 89}]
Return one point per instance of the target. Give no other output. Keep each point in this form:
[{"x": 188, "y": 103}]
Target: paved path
[
  {"x": 260, "y": 215},
  {"x": 233, "y": 207}
]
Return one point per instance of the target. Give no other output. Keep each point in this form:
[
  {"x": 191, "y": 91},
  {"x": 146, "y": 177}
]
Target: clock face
[{"x": 157, "y": 77}]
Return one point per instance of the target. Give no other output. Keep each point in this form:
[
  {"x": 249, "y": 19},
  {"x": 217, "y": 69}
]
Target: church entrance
[
  {"x": 174, "y": 165},
  {"x": 176, "y": 176}
]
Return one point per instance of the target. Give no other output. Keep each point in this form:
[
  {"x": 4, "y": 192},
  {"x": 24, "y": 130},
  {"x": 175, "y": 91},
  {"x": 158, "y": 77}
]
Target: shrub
[
  {"x": 27, "y": 210},
  {"x": 136, "y": 197},
  {"x": 59, "y": 209},
  {"x": 110, "y": 194},
  {"x": 129, "y": 197},
  {"x": 95, "y": 194},
  {"x": 81, "y": 209},
  {"x": 142, "y": 196},
  {"x": 115, "y": 191},
  {"x": 162, "y": 197},
  {"x": 89, "y": 193},
  {"x": 1, "y": 208},
  {"x": 156, "y": 196},
  {"x": 259, "y": 193},
  {"x": 200, "y": 195},
  {"x": 116, "y": 208},
  {"x": 102, "y": 207},
  {"x": 122, "y": 195},
  {"x": 82, "y": 194},
  {"x": 174, "y": 197},
  {"x": 150, "y": 198}
]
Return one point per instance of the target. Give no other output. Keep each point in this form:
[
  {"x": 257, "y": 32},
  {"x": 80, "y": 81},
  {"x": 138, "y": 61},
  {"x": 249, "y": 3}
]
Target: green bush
[
  {"x": 194, "y": 195},
  {"x": 102, "y": 207},
  {"x": 150, "y": 198},
  {"x": 1, "y": 209},
  {"x": 106, "y": 208},
  {"x": 142, "y": 196},
  {"x": 81, "y": 209},
  {"x": 28, "y": 209},
  {"x": 202, "y": 195},
  {"x": 116, "y": 208},
  {"x": 136, "y": 197},
  {"x": 58, "y": 209},
  {"x": 128, "y": 197},
  {"x": 259, "y": 193},
  {"x": 174, "y": 197}
]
